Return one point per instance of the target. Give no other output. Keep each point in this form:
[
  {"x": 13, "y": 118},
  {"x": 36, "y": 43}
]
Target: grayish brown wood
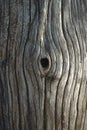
[{"x": 43, "y": 64}]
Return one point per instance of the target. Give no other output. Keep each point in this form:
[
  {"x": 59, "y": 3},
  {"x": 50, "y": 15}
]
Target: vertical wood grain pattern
[{"x": 33, "y": 97}]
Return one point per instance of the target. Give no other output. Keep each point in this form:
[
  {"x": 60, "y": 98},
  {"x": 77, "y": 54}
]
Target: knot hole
[{"x": 44, "y": 63}]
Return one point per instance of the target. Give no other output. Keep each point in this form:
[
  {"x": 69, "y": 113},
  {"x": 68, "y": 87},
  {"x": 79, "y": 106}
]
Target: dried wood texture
[{"x": 43, "y": 64}]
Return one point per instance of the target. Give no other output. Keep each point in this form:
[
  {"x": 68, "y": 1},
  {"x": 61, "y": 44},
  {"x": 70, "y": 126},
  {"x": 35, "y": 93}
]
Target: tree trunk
[{"x": 43, "y": 64}]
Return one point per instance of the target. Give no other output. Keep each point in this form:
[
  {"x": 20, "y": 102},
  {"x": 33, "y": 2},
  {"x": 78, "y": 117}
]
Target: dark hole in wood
[{"x": 45, "y": 63}]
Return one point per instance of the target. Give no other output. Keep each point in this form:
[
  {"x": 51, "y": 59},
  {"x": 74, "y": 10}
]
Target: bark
[{"x": 43, "y": 64}]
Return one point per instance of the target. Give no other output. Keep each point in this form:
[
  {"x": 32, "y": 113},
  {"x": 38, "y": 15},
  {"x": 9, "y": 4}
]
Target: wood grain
[{"x": 33, "y": 97}]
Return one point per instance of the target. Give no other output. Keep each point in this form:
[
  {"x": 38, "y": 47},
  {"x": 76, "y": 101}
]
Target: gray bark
[{"x": 43, "y": 64}]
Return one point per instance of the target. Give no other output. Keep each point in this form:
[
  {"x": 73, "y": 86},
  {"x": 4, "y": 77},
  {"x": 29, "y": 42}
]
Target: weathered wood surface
[{"x": 43, "y": 96}]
